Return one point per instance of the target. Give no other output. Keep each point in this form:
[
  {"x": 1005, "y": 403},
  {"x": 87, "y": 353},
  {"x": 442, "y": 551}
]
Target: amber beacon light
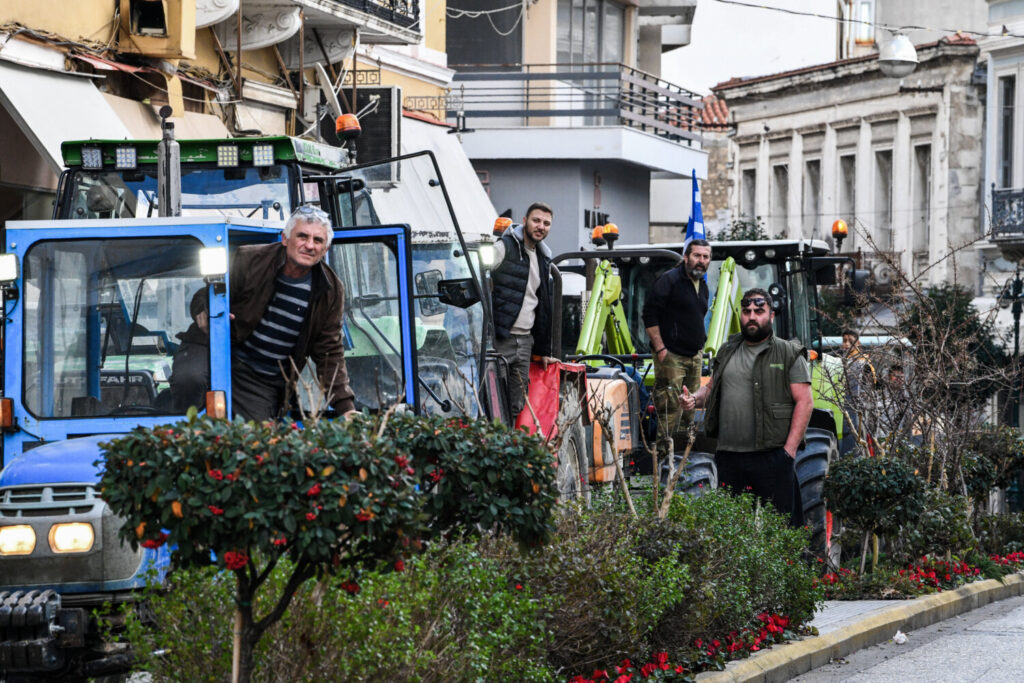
[{"x": 839, "y": 233}]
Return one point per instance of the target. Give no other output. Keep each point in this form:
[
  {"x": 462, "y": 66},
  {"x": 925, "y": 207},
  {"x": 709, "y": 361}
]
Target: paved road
[{"x": 986, "y": 644}]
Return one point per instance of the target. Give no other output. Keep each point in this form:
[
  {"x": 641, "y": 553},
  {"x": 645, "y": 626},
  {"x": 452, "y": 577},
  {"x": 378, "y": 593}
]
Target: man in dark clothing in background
[
  {"x": 758, "y": 404},
  {"x": 674, "y": 317},
  {"x": 286, "y": 306},
  {"x": 522, "y": 299}
]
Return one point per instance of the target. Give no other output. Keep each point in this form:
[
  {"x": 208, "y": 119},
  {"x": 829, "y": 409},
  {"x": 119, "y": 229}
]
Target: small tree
[
  {"x": 334, "y": 497},
  {"x": 877, "y": 495}
]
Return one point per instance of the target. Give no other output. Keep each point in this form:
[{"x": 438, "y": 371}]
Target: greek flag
[{"x": 695, "y": 226}]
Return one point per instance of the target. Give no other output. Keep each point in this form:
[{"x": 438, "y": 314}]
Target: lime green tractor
[{"x": 601, "y": 303}]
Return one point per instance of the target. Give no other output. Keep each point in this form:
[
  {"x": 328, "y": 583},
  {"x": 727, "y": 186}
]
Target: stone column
[
  {"x": 794, "y": 215},
  {"x": 902, "y": 208}
]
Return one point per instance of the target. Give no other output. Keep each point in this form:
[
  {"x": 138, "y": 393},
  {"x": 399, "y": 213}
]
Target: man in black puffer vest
[{"x": 522, "y": 299}]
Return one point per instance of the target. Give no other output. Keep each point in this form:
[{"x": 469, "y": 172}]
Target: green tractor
[{"x": 601, "y": 303}]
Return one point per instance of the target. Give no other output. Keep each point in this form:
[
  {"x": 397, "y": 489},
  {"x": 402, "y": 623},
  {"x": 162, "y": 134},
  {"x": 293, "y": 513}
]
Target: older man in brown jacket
[{"x": 286, "y": 307}]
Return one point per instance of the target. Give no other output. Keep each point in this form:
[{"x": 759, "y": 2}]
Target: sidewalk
[{"x": 848, "y": 626}]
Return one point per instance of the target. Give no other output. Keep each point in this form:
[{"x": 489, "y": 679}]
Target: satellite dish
[{"x": 327, "y": 88}]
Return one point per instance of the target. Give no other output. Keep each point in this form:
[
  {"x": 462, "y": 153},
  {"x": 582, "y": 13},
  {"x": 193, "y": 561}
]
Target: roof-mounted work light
[
  {"x": 262, "y": 155},
  {"x": 92, "y": 158},
  {"x": 227, "y": 156},
  {"x": 125, "y": 158}
]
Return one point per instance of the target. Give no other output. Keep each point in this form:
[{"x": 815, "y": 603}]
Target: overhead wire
[
  {"x": 456, "y": 13},
  {"x": 860, "y": 22}
]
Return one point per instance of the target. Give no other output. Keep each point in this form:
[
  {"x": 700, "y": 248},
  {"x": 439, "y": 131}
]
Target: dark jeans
[
  {"x": 516, "y": 349},
  {"x": 254, "y": 396},
  {"x": 768, "y": 474}
]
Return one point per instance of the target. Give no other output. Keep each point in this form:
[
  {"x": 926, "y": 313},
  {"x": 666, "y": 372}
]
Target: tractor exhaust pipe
[{"x": 168, "y": 178}]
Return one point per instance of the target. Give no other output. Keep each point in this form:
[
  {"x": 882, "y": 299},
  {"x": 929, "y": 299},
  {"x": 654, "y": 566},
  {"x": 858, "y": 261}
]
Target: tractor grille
[{"x": 46, "y": 501}]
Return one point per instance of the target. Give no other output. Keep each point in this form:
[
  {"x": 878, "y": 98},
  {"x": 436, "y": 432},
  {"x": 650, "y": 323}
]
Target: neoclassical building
[{"x": 899, "y": 160}]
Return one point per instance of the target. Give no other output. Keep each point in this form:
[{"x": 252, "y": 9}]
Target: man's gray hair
[{"x": 307, "y": 213}]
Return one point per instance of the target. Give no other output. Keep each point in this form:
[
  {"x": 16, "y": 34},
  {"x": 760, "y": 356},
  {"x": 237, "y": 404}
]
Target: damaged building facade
[{"x": 899, "y": 160}]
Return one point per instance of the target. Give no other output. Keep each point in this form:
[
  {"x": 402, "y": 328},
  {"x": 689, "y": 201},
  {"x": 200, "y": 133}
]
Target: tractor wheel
[
  {"x": 812, "y": 462},
  {"x": 573, "y": 462},
  {"x": 700, "y": 476}
]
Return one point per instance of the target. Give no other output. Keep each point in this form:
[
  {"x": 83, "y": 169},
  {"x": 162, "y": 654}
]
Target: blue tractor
[{"x": 94, "y": 301}]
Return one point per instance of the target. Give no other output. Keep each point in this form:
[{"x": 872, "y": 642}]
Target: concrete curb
[{"x": 788, "y": 660}]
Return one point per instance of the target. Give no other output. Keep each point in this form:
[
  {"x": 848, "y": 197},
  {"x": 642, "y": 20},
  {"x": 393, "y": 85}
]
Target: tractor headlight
[
  {"x": 486, "y": 252},
  {"x": 213, "y": 261},
  {"x": 72, "y": 537},
  {"x": 19, "y": 539}
]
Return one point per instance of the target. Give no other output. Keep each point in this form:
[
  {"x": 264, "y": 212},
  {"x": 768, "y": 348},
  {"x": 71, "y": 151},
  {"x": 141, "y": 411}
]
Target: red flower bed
[{"x": 766, "y": 630}]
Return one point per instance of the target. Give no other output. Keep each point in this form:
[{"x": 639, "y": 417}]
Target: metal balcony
[
  {"x": 575, "y": 96},
  {"x": 404, "y": 13},
  {"x": 1008, "y": 221}
]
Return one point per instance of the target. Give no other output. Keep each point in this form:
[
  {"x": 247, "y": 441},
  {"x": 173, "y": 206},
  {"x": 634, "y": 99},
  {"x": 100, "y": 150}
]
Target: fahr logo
[{"x": 118, "y": 379}]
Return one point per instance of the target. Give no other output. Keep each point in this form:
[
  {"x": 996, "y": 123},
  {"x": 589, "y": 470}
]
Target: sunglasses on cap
[
  {"x": 310, "y": 210},
  {"x": 756, "y": 301}
]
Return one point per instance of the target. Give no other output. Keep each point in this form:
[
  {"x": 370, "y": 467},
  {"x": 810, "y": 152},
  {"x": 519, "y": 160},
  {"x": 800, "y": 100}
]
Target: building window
[
  {"x": 848, "y": 194},
  {"x": 1007, "y": 94},
  {"x": 812, "y": 199},
  {"x": 748, "y": 194},
  {"x": 779, "y": 208},
  {"x": 864, "y": 15},
  {"x": 590, "y": 31},
  {"x": 920, "y": 195},
  {"x": 882, "y": 229}
]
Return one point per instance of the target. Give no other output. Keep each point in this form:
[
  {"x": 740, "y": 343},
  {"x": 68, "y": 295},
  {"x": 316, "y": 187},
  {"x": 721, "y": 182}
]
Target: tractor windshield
[
  {"x": 259, "y": 192},
  {"x": 101, "y": 324},
  {"x": 448, "y": 339}
]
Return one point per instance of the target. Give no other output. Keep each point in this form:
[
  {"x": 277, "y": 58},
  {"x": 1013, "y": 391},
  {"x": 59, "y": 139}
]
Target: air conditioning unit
[{"x": 381, "y": 123}]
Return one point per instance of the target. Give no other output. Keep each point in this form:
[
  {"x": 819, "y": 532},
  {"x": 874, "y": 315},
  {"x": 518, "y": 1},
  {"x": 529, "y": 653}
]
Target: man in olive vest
[
  {"x": 522, "y": 299},
  {"x": 757, "y": 405}
]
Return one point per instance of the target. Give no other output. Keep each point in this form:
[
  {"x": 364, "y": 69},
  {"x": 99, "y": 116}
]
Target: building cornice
[
  {"x": 813, "y": 77},
  {"x": 408, "y": 66}
]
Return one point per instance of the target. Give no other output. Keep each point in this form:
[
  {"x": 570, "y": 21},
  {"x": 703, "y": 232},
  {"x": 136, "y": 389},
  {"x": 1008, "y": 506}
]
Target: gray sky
[{"x": 729, "y": 40}]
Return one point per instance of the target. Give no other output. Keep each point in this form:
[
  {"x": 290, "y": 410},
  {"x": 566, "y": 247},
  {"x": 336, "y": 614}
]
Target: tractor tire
[
  {"x": 812, "y": 463},
  {"x": 573, "y": 461},
  {"x": 699, "y": 477}
]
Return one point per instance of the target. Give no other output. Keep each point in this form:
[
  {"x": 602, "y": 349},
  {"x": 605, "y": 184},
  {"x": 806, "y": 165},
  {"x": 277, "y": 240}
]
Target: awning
[
  {"x": 473, "y": 207},
  {"x": 51, "y": 108},
  {"x": 144, "y": 124}
]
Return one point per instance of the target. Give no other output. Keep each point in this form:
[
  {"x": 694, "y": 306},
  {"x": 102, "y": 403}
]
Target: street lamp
[{"x": 897, "y": 58}]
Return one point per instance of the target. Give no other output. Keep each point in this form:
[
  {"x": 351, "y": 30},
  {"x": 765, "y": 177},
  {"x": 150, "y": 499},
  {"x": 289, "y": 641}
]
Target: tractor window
[
  {"x": 801, "y": 305},
  {"x": 262, "y": 192},
  {"x": 102, "y": 319},
  {"x": 410, "y": 191},
  {"x": 371, "y": 331}
]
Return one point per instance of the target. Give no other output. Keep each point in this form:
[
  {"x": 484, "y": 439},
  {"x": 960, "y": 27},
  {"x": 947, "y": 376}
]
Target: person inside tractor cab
[
  {"x": 522, "y": 300},
  {"x": 286, "y": 307}
]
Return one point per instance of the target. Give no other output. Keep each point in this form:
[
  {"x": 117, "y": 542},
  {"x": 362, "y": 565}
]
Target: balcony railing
[
  {"x": 575, "y": 95},
  {"x": 404, "y": 13},
  {"x": 1007, "y": 214}
]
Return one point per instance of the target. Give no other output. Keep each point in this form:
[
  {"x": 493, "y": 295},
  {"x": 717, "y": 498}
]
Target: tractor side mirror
[
  {"x": 427, "y": 292},
  {"x": 461, "y": 292}
]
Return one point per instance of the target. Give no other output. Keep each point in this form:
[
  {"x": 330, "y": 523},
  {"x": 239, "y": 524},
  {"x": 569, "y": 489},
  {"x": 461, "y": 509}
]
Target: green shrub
[
  {"x": 1000, "y": 534},
  {"x": 480, "y": 473},
  {"x": 452, "y": 616},
  {"x": 943, "y": 526},
  {"x": 602, "y": 598},
  {"x": 745, "y": 560},
  {"x": 879, "y": 495}
]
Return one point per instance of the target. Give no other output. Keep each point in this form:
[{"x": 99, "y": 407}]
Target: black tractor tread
[
  {"x": 812, "y": 462},
  {"x": 699, "y": 477}
]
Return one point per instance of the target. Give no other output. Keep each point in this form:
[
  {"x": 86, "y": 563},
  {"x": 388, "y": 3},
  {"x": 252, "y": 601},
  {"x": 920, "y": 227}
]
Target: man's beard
[
  {"x": 759, "y": 334},
  {"x": 695, "y": 273}
]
